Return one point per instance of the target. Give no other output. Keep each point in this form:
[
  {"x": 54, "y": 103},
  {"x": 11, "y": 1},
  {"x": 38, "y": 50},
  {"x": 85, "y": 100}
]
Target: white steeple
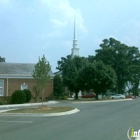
[{"x": 75, "y": 49}]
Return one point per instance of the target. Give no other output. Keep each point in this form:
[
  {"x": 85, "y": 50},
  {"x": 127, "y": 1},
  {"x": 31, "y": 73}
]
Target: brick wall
[
  {"x": 5, "y": 99},
  {"x": 15, "y": 84}
]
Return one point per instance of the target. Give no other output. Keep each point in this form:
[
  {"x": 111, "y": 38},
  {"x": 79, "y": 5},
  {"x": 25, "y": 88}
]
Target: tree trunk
[
  {"x": 35, "y": 100},
  {"x": 76, "y": 95},
  {"x": 42, "y": 96},
  {"x": 97, "y": 97}
]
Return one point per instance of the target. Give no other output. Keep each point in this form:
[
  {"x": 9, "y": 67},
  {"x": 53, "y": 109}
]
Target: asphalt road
[{"x": 95, "y": 121}]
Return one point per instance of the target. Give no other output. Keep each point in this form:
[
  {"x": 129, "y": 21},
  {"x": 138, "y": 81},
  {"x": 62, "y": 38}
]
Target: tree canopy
[
  {"x": 70, "y": 68},
  {"x": 98, "y": 77},
  {"x": 122, "y": 58},
  {"x": 2, "y": 59},
  {"x": 115, "y": 66},
  {"x": 79, "y": 73}
]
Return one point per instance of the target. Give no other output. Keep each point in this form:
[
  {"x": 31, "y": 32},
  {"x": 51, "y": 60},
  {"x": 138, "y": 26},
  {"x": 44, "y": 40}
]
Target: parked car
[
  {"x": 117, "y": 96},
  {"x": 130, "y": 96},
  {"x": 92, "y": 95}
]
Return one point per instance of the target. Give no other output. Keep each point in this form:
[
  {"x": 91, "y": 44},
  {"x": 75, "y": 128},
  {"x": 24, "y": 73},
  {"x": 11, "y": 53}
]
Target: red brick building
[{"x": 14, "y": 76}]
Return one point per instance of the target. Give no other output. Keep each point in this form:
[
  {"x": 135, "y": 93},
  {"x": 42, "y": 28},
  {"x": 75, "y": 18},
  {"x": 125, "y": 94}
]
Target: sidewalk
[
  {"x": 27, "y": 105},
  {"x": 102, "y": 101}
]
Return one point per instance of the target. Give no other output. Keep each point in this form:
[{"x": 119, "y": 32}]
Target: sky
[{"x": 30, "y": 29}]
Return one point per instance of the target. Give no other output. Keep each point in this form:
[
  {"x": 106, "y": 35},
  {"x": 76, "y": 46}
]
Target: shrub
[
  {"x": 28, "y": 95},
  {"x": 18, "y": 97},
  {"x": 1, "y": 103},
  {"x": 62, "y": 97}
]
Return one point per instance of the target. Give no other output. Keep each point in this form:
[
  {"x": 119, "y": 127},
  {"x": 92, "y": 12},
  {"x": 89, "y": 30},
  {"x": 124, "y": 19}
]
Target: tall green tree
[
  {"x": 57, "y": 86},
  {"x": 98, "y": 77},
  {"x": 70, "y": 68},
  {"x": 41, "y": 75},
  {"x": 61, "y": 63},
  {"x": 2, "y": 59},
  {"x": 120, "y": 57}
]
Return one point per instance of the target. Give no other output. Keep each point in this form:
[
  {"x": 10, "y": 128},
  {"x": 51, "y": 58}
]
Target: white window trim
[{"x": 2, "y": 87}]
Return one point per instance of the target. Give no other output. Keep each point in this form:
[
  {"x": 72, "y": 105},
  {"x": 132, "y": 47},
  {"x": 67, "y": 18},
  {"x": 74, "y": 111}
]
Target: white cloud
[
  {"x": 57, "y": 23},
  {"x": 62, "y": 14}
]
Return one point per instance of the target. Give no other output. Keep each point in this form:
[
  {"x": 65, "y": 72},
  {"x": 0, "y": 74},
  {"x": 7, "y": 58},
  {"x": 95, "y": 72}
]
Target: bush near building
[
  {"x": 1, "y": 103},
  {"x": 18, "y": 97},
  {"x": 28, "y": 95}
]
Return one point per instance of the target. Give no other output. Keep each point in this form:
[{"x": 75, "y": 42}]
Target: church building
[{"x": 18, "y": 76}]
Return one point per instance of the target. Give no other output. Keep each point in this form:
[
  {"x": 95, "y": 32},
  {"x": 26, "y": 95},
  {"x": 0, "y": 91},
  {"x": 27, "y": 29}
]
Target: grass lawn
[{"x": 42, "y": 109}]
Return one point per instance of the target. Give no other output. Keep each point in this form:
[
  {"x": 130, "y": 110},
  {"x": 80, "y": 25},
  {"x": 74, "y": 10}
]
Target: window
[
  {"x": 1, "y": 87},
  {"x": 24, "y": 86}
]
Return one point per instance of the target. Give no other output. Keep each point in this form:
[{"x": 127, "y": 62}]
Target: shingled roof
[{"x": 18, "y": 69}]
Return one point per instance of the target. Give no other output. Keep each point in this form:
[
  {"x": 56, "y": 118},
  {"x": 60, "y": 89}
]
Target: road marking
[{"x": 16, "y": 121}]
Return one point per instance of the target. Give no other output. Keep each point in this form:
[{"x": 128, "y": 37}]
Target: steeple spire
[
  {"x": 75, "y": 49},
  {"x": 74, "y": 30}
]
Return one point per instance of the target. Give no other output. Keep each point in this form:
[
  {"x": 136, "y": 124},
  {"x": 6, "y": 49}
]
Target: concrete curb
[
  {"x": 28, "y": 105},
  {"x": 9, "y": 107},
  {"x": 119, "y": 100},
  {"x": 41, "y": 114}
]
